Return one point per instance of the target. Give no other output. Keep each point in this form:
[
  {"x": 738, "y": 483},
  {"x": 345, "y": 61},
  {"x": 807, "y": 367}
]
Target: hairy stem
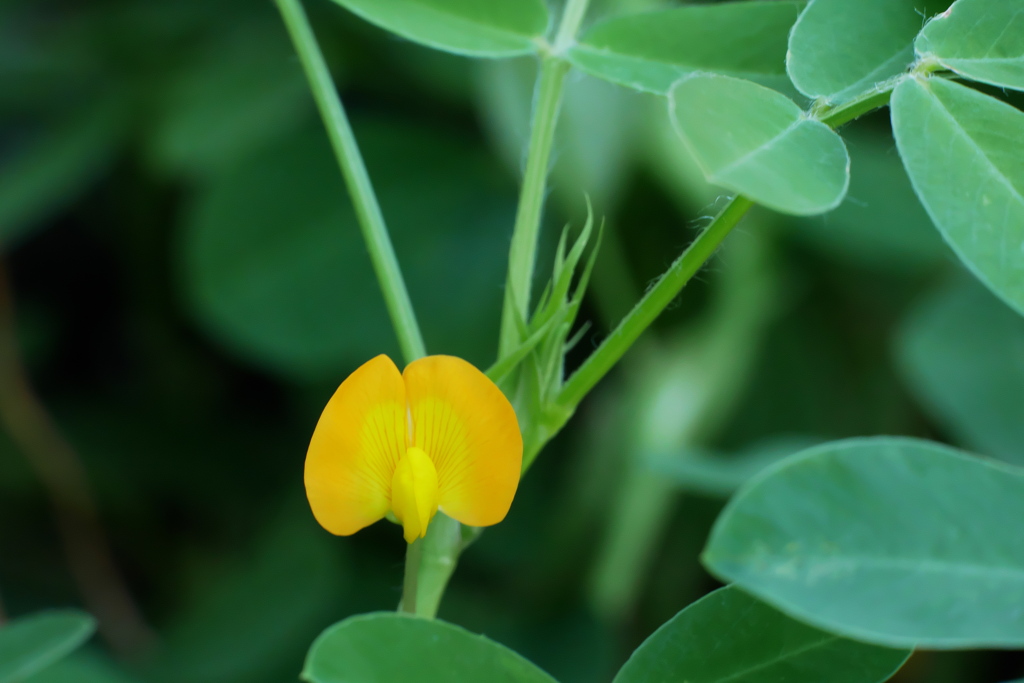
[
  {"x": 522, "y": 255},
  {"x": 857, "y": 107},
  {"x": 371, "y": 220},
  {"x": 523, "y": 251},
  {"x": 653, "y": 303},
  {"x": 59, "y": 469}
]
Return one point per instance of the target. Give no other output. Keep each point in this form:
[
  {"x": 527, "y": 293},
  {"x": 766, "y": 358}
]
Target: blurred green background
[{"x": 188, "y": 286}]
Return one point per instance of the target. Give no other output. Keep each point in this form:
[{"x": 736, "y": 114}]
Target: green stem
[
  {"x": 523, "y": 251},
  {"x": 412, "y": 566},
  {"x": 857, "y": 107},
  {"x": 442, "y": 546},
  {"x": 653, "y": 303},
  {"x": 572, "y": 17},
  {"x": 371, "y": 220}
]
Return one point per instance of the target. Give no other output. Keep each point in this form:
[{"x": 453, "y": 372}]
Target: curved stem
[
  {"x": 653, "y": 303},
  {"x": 371, "y": 220},
  {"x": 60, "y": 470}
]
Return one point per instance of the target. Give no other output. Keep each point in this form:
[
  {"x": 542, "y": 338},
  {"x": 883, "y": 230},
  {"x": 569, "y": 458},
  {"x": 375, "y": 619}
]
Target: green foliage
[
  {"x": 237, "y": 95},
  {"x": 728, "y": 636},
  {"x": 81, "y": 668},
  {"x": 893, "y": 541},
  {"x": 840, "y": 49},
  {"x": 387, "y": 647},
  {"x": 540, "y": 358},
  {"x": 596, "y": 127},
  {"x": 980, "y": 39},
  {"x": 964, "y": 152},
  {"x": 287, "y": 299},
  {"x": 962, "y": 352},
  {"x": 30, "y": 644},
  {"x": 195, "y": 135},
  {"x": 650, "y": 51},
  {"x": 881, "y": 224},
  {"x": 758, "y": 143},
  {"x": 496, "y": 28}
]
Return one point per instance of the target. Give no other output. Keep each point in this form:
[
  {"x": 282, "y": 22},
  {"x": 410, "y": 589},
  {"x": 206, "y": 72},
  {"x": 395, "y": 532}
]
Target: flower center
[{"x": 414, "y": 492}]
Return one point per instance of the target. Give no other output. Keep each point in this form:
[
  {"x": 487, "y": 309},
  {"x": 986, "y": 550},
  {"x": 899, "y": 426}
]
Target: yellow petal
[
  {"x": 469, "y": 429},
  {"x": 414, "y": 493},
  {"x": 356, "y": 447}
]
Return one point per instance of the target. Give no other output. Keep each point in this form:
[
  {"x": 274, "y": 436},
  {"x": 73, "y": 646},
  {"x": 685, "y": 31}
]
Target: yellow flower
[{"x": 440, "y": 435}]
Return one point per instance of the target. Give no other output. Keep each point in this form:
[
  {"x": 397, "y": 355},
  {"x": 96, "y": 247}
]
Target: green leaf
[
  {"x": 894, "y": 541},
  {"x": 881, "y": 224},
  {"x": 964, "y": 152},
  {"x": 80, "y": 668},
  {"x": 387, "y": 646},
  {"x": 56, "y": 166},
  {"x": 758, "y": 143},
  {"x": 496, "y": 28},
  {"x": 962, "y": 352},
  {"x": 275, "y": 267},
  {"x": 980, "y": 39},
  {"x": 839, "y": 49},
  {"x": 652, "y": 50},
  {"x": 730, "y": 637},
  {"x": 32, "y": 643}
]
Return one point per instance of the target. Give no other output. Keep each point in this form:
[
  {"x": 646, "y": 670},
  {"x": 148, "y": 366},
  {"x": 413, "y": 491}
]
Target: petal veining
[
  {"x": 468, "y": 428},
  {"x": 357, "y": 444}
]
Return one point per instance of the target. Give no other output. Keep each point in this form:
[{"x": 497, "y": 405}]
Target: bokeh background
[{"x": 184, "y": 285}]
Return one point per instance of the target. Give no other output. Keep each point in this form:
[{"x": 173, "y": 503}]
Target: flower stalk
[{"x": 343, "y": 141}]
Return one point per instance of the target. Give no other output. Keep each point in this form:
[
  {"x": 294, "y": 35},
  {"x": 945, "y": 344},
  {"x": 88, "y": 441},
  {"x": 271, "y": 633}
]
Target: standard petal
[
  {"x": 469, "y": 429},
  {"x": 355, "y": 448}
]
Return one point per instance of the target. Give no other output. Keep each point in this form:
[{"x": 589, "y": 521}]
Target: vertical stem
[
  {"x": 409, "y": 586},
  {"x": 572, "y": 17},
  {"x": 371, "y": 220},
  {"x": 441, "y": 548},
  {"x": 59, "y": 469},
  {"x": 523, "y": 252}
]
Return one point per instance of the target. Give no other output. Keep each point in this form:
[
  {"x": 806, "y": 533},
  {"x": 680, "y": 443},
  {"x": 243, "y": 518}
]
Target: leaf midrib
[
  {"x": 974, "y": 143},
  {"x": 826, "y": 640}
]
